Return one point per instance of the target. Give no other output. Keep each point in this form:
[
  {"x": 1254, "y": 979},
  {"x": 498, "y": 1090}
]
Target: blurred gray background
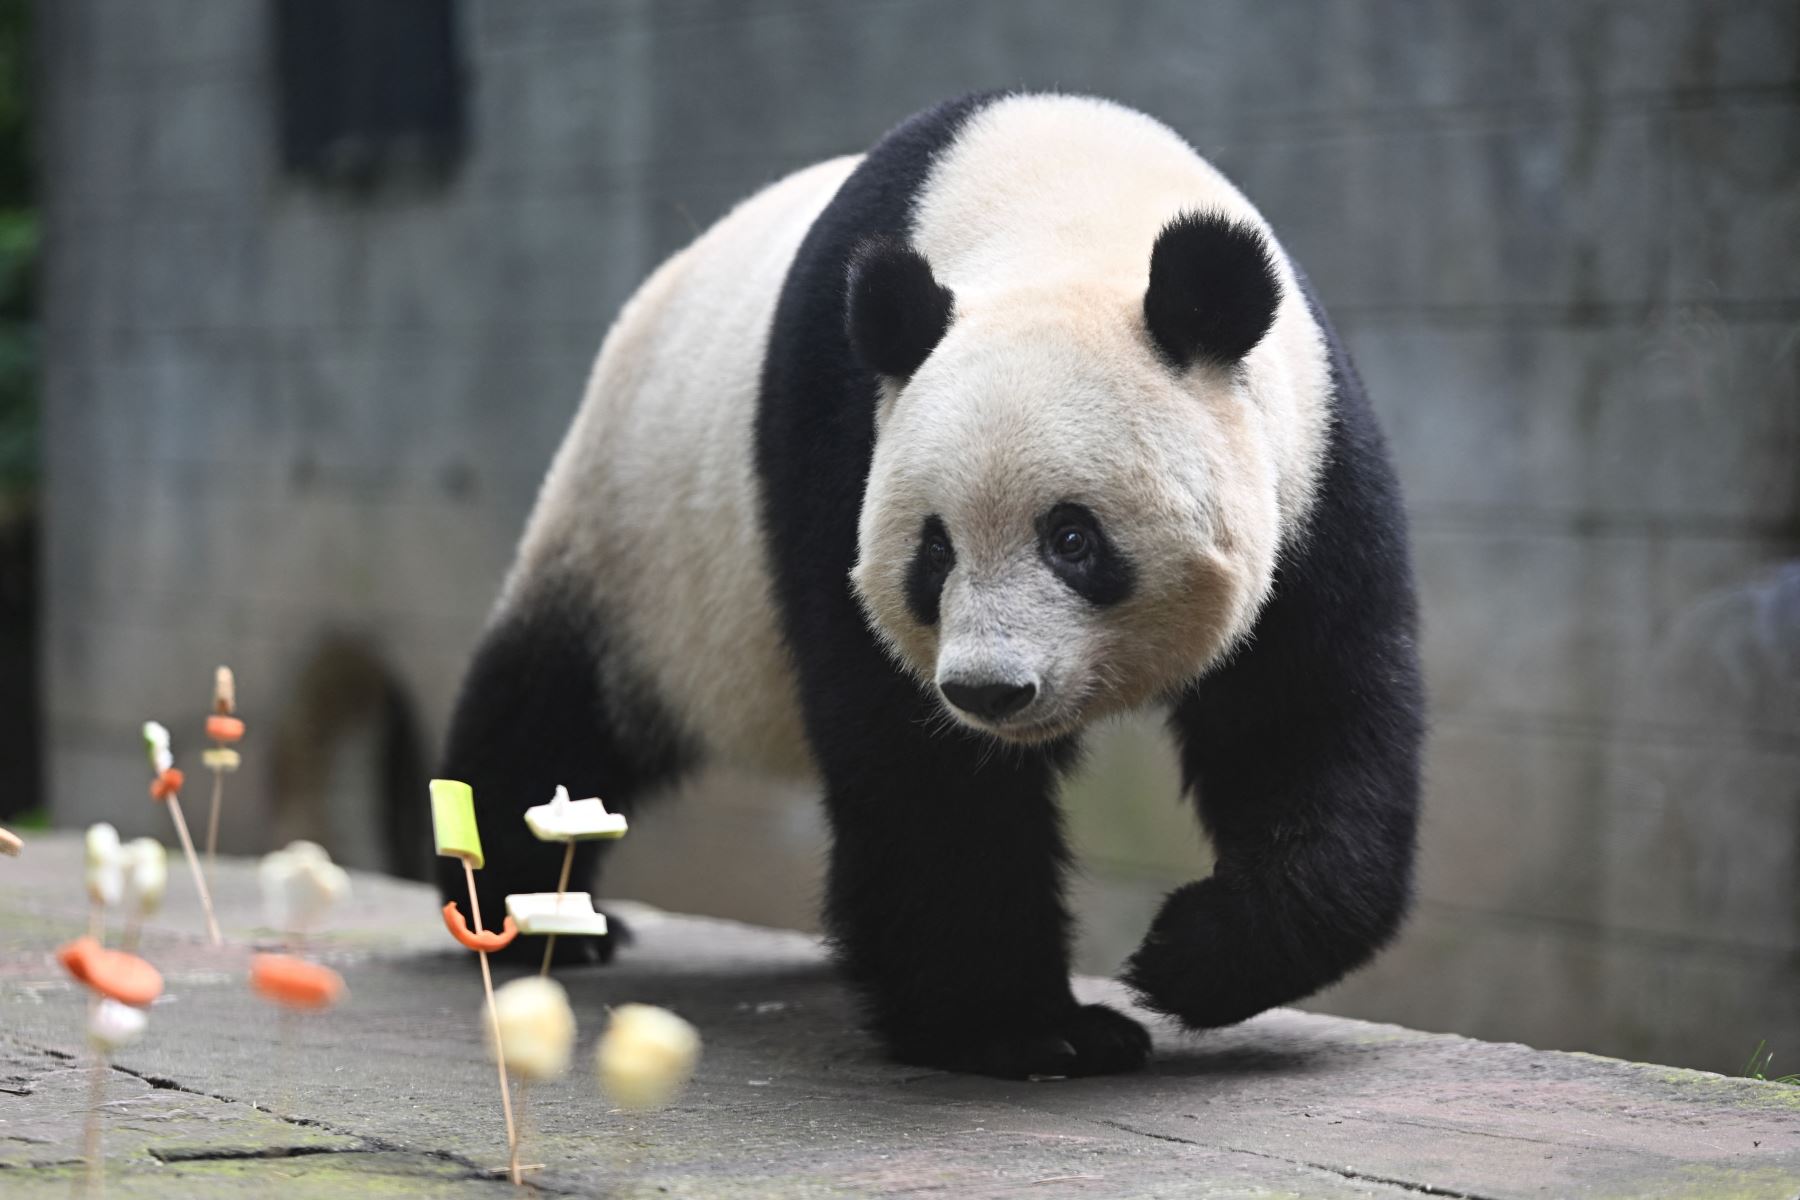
[{"x": 295, "y": 412}]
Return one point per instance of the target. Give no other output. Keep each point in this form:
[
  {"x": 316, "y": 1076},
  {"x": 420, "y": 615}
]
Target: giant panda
[{"x": 912, "y": 468}]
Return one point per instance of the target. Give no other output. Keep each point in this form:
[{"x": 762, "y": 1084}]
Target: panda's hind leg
[{"x": 547, "y": 701}]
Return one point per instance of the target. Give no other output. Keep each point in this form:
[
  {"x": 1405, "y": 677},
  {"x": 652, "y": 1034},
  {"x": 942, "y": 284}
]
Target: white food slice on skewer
[
  {"x": 112, "y": 1025},
  {"x": 537, "y": 1027},
  {"x": 566, "y": 820},
  {"x": 645, "y": 1056},
  {"x": 146, "y": 873},
  {"x": 105, "y": 865},
  {"x": 570, "y": 914},
  {"x": 156, "y": 740},
  {"x": 300, "y": 884}
]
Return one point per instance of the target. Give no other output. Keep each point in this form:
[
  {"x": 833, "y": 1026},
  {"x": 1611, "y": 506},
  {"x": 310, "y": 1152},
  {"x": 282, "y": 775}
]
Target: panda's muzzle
[{"x": 990, "y": 700}]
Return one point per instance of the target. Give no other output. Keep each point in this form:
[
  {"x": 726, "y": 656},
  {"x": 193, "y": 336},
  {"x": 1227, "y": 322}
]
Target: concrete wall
[{"x": 298, "y": 432}]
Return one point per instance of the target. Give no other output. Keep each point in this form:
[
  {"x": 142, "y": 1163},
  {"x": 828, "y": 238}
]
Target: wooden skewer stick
[
  {"x": 212, "y": 822},
  {"x": 562, "y": 886},
  {"x": 224, "y": 728},
  {"x": 187, "y": 848},
  {"x": 487, "y": 983},
  {"x": 96, "y": 1167}
]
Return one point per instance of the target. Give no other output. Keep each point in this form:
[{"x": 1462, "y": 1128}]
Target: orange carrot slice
[
  {"x": 112, "y": 973},
  {"x": 222, "y": 728},
  {"x": 167, "y": 784},
  {"x": 293, "y": 982},
  {"x": 487, "y": 941}
]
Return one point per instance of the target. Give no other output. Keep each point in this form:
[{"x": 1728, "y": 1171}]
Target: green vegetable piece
[{"x": 453, "y": 821}]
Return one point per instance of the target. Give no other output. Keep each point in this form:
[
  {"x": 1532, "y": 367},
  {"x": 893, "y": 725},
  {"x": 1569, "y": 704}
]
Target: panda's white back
[{"x": 651, "y": 500}]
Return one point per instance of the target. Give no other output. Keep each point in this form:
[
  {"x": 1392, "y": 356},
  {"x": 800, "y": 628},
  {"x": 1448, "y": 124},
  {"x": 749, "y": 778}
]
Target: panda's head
[{"x": 1072, "y": 506}]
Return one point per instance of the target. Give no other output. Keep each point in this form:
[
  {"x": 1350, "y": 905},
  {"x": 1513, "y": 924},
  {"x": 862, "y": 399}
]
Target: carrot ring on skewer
[
  {"x": 293, "y": 982},
  {"x": 112, "y": 973},
  {"x": 221, "y": 728},
  {"x": 167, "y": 784},
  {"x": 487, "y": 941}
]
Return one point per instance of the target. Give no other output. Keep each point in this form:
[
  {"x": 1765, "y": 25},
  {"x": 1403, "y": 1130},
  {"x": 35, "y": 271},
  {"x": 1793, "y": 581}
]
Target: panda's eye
[
  {"x": 1071, "y": 543},
  {"x": 937, "y": 553}
]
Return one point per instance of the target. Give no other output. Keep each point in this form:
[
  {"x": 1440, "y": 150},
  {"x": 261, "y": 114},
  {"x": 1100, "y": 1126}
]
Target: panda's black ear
[
  {"x": 1213, "y": 290},
  {"x": 898, "y": 311}
]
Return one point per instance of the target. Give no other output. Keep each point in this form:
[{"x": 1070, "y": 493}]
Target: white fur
[
  {"x": 1041, "y": 219},
  {"x": 652, "y": 499}
]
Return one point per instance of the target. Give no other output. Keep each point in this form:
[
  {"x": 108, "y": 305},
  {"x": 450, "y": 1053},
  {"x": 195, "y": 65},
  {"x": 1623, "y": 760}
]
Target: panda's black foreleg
[
  {"x": 530, "y": 716},
  {"x": 945, "y": 906},
  {"x": 1312, "y": 818},
  {"x": 1303, "y": 752}
]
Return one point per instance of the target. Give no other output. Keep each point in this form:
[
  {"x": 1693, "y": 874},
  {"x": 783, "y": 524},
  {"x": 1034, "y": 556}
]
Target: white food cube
[
  {"x": 112, "y": 1025},
  {"x": 566, "y": 820},
  {"x": 537, "y": 1027},
  {"x": 571, "y": 914}
]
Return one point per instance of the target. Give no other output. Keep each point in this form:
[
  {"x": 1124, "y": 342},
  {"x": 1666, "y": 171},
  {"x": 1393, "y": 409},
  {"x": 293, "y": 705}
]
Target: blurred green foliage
[{"x": 19, "y": 236}]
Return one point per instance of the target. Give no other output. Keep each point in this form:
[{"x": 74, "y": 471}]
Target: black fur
[
  {"x": 1102, "y": 575},
  {"x": 925, "y": 578},
  {"x": 1213, "y": 290},
  {"x": 945, "y": 890},
  {"x": 944, "y": 896},
  {"x": 898, "y": 312},
  {"x": 530, "y": 716},
  {"x": 944, "y": 899},
  {"x": 1303, "y": 751}
]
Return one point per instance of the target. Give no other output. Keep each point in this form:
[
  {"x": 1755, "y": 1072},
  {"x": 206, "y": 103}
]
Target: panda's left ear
[
  {"x": 1213, "y": 290},
  {"x": 897, "y": 311}
]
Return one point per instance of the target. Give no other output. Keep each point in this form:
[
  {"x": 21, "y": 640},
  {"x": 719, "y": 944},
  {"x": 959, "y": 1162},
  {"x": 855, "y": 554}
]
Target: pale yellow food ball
[
  {"x": 537, "y": 1027},
  {"x": 645, "y": 1056}
]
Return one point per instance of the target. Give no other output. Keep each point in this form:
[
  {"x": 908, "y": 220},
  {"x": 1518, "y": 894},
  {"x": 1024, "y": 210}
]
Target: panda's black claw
[
  {"x": 1107, "y": 1041},
  {"x": 1092, "y": 1040}
]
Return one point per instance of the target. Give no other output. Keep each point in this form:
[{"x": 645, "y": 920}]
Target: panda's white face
[{"x": 1059, "y": 525}]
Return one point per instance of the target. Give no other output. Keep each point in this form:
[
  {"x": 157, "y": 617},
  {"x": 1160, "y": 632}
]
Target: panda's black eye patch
[
  {"x": 1077, "y": 550},
  {"x": 932, "y": 562}
]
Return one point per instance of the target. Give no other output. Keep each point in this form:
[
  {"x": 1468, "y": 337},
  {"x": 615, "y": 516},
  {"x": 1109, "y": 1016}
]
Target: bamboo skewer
[
  {"x": 187, "y": 848},
  {"x": 487, "y": 984},
  {"x": 224, "y": 728},
  {"x": 562, "y": 887},
  {"x": 95, "y": 1174},
  {"x": 212, "y": 822}
]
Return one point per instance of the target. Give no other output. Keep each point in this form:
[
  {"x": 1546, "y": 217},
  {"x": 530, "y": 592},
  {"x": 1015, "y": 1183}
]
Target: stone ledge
[{"x": 390, "y": 1093}]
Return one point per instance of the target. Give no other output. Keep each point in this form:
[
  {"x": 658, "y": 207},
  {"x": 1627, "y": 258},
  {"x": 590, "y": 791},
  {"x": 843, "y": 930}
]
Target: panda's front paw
[{"x": 1092, "y": 1040}]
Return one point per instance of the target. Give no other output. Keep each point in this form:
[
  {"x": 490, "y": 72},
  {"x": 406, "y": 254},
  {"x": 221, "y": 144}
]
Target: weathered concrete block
[
  {"x": 123, "y": 35},
  {"x": 1534, "y": 210},
  {"x": 1522, "y": 622},
  {"x": 1511, "y": 824},
  {"x": 1735, "y": 198},
  {"x": 1574, "y": 422},
  {"x": 1557, "y": 985}
]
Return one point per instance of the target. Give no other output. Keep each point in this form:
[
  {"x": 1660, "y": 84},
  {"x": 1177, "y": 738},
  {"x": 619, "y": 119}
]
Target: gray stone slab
[
  {"x": 1529, "y": 208},
  {"x": 1689, "y": 838},
  {"x": 1576, "y": 421},
  {"x": 791, "y": 1101},
  {"x": 1557, "y": 983},
  {"x": 1736, "y": 197},
  {"x": 1552, "y": 626}
]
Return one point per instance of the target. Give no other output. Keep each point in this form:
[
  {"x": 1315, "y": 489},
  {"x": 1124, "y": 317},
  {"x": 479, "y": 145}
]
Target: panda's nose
[{"x": 990, "y": 699}]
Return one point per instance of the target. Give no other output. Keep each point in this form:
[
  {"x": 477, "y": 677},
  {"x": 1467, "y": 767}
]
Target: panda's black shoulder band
[{"x": 1213, "y": 290}]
